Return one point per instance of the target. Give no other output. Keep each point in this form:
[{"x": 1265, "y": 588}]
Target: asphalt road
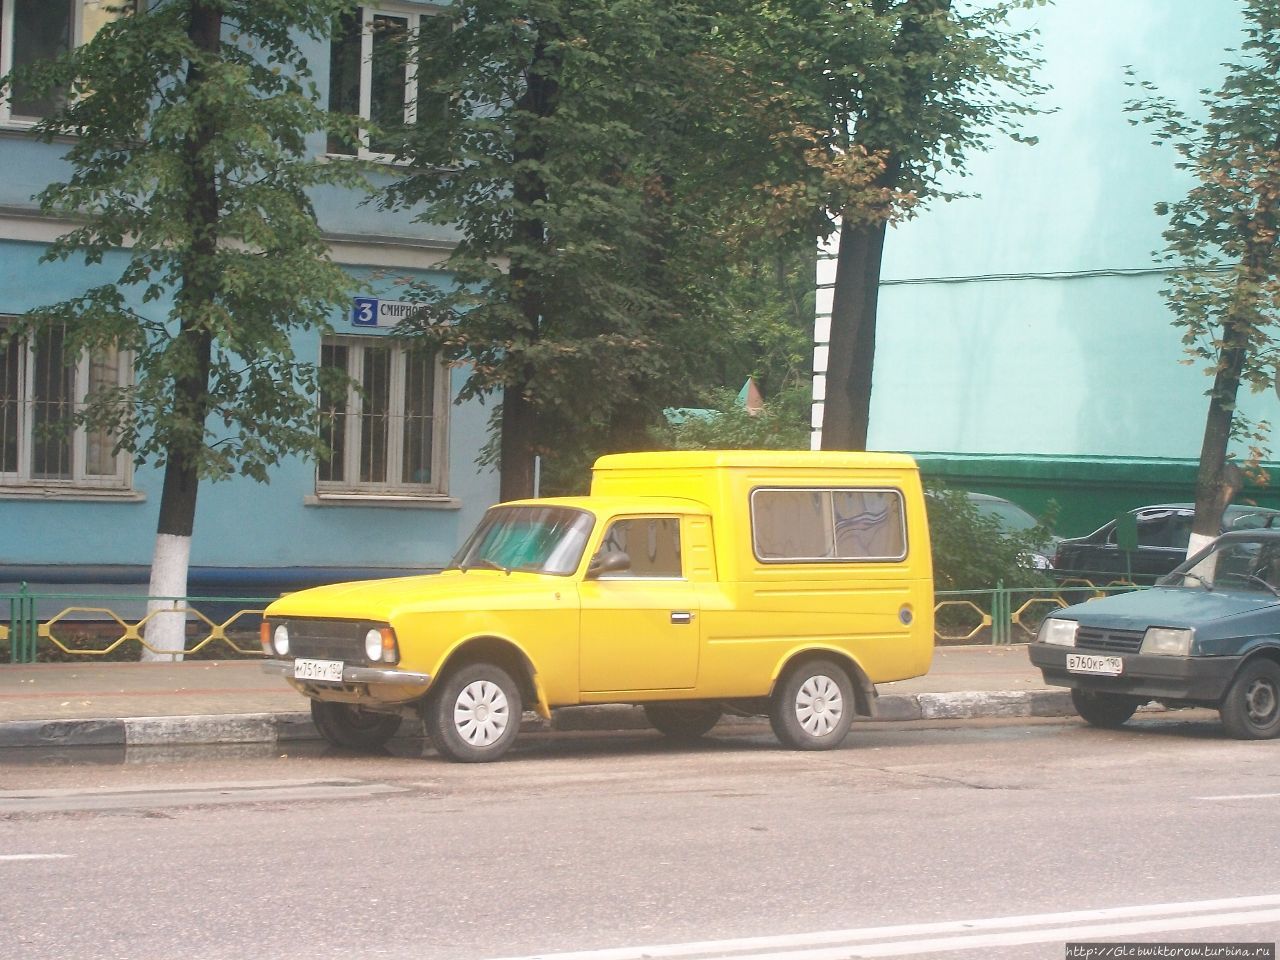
[{"x": 997, "y": 839}]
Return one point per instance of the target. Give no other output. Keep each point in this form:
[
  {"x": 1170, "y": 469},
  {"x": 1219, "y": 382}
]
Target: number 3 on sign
[{"x": 364, "y": 312}]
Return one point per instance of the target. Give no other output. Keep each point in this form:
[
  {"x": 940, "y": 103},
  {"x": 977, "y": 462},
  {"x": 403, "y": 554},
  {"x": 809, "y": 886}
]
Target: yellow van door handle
[{"x": 681, "y": 616}]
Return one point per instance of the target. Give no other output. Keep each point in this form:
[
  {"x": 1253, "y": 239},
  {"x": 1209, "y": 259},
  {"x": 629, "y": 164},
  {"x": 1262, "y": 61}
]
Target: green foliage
[
  {"x": 598, "y": 158},
  {"x": 761, "y": 313},
  {"x": 972, "y": 552},
  {"x": 719, "y": 423},
  {"x": 726, "y": 425},
  {"x": 887, "y": 100},
  {"x": 947, "y": 79},
  {"x": 188, "y": 127}
]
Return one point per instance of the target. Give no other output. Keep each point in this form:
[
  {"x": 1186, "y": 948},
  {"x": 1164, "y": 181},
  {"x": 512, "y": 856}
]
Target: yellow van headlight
[{"x": 380, "y": 645}]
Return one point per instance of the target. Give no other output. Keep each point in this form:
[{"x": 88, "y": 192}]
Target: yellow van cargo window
[{"x": 828, "y": 524}]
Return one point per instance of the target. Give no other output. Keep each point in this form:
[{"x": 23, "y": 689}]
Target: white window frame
[
  {"x": 831, "y": 493},
  {"x": 6, "y": 48},
  {"x": 16, "y": 482},
  {"x": 414, "y": 14},
  {"x": 352, "y": 486}
]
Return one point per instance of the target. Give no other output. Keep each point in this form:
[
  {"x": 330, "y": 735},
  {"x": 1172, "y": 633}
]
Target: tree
[
  {"x": 973, "y": 551},
  {"x": 596, "y": 157},
  {"x": 189, "y": 161},
  {"x": 1221, "y": 240},
  {"x": 937, "y": 85},
  {"x": 783, "y": 424}
]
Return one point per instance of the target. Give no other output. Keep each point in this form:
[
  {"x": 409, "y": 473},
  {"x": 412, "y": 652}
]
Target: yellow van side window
[
  {"x": 652, "y": 543},
  {"x": 829, "y": 524}
]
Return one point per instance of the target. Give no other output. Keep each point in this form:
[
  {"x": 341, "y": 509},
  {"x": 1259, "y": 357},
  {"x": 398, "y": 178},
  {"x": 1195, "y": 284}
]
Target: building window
[
  {"x": 41, "y": 388},
  {"x": 373, "y": 58},
  {"x": 386, "y": 431},
  {"x": 35, "y": 30},
  {"x": 835, "y": 525}
]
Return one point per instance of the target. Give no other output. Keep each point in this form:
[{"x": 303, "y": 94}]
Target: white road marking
[
  {"x": 1049, "y": 935},
  {"x": 966, "y": 934},
  {"x": 34, "y": 856},
  {"x": 1242, "y": 796}
]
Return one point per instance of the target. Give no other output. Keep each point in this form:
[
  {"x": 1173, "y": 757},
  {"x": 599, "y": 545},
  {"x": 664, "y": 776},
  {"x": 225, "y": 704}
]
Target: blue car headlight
[
  {"x": 1060, "y": 633},
  {"x": 1168, "y": 641}
]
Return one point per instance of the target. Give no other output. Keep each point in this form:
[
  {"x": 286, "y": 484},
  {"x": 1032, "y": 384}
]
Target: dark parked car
[
  {"x": 1207, "y": 635},
  {"x": 1163, "y": 533}
]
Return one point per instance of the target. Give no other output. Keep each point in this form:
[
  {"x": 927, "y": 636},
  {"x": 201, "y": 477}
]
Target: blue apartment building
[{"x": 404, "y": 486}]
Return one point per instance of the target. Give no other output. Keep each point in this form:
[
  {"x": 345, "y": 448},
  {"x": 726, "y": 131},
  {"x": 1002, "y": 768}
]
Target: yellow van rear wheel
[{"x": 812, "y": 707}]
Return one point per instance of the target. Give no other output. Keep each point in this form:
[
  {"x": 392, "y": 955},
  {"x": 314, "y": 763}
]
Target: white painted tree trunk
[
  {"x": 166, "y": 629},
  {"x": 1205, "y": 568}
]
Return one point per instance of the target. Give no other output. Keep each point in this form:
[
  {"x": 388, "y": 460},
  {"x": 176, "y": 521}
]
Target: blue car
[{"x": 1206, "y": 635}]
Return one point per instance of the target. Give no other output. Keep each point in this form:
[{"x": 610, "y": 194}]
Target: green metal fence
[
  {"x": 97, "y": 626},
  {"x": 103, "y": 626},
  {"x": 1003, "y": 615}
]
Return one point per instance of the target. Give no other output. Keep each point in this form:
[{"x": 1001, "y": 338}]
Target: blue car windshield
[
  {"x": 1232, "y": 563},
  {"x": 538, "y": 539}
]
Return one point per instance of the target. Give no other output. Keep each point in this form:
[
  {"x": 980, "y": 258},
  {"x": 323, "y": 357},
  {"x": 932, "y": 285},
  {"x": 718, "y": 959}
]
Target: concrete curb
[{"x": 286, "y": 727}]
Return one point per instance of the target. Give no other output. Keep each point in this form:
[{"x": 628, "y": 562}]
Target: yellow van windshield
[{"x": 538, "y": 539}]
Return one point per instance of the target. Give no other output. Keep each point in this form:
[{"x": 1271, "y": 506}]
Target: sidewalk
[{"x": 228, "y": 701}]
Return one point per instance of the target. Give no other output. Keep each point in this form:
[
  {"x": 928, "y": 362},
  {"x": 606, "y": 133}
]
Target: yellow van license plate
[
  {"x": 1084, "y": 663},
  {"x": 328, "y": 670}
]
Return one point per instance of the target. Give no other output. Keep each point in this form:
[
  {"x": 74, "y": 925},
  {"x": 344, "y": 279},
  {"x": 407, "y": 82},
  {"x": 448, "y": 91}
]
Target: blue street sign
[
  {"x": 374, "y": 312},
  {"x": 364, "y": 312}
]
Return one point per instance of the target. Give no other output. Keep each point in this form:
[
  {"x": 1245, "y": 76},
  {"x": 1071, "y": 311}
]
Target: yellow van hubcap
[
  {"x": 819, "y": 705},
  {"x": 481, "y": 713}
]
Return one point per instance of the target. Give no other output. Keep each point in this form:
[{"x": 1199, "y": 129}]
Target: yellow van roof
[
  {"x": 616, "y": 504},
  {"x": 787, "y": 459}
]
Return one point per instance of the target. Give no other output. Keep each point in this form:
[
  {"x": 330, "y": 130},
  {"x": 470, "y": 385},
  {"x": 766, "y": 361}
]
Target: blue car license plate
[{"x": 1090, "y": 663}]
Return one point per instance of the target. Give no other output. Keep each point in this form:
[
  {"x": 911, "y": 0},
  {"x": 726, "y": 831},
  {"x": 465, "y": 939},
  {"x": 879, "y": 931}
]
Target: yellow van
[{"x": 785, "y": 583}]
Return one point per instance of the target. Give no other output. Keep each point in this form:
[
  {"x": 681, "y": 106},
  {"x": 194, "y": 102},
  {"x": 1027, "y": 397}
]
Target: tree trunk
[
  {"x": 519, "y": 436},
  {"x": 851, "y": 354},
  {"x": 882, "y": 131},
  {"x": 1217, "y": 481},
  {"x": 166, "y": 623},
  {"x": 518, "y": 424}
]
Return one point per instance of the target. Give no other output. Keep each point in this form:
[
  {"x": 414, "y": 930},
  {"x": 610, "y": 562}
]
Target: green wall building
[{"x": 1024, "y": 349}]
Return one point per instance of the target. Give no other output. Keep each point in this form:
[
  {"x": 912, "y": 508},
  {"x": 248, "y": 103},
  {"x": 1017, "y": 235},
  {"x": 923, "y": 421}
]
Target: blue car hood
[{"x": 1210, "y": 612}]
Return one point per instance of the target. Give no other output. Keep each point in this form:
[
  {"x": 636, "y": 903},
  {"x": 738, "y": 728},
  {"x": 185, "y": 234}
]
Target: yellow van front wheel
[
  {"x": 812, "y": 706},
  {"x": 474, "y": 715}
]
